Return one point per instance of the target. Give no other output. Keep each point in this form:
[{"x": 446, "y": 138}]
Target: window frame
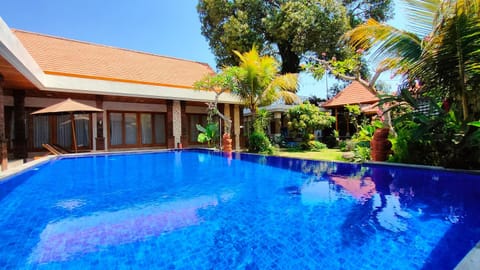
[{"x": 138, "y": 143}]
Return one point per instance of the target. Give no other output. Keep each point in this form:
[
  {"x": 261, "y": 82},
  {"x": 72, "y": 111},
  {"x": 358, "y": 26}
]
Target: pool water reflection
[{"x": 202, "y": 210}]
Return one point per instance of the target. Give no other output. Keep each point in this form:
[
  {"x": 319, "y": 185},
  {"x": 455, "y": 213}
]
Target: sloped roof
[
  {"x": 355, "y": 93},
  {"x": 66, "y": 57}
]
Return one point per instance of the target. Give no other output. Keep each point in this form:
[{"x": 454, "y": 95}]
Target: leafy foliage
[
  {"x": 313, "y": 145},
  {"x": 306, "y": 118},
  {"x": 208, "y": 134},
  {"x": 439, "y": 59},
  {"x": 258, "y": 82},
  {"x": 288, "y": 29},
  {"x": 258, "y": 142},
  {"x": 262, "y": 120},
  {"x": 361, "y": 10},
  {"x": 436, "y": 137},
  {"x": 442, "y": 50},
  {"x": 361, "y": 153}
]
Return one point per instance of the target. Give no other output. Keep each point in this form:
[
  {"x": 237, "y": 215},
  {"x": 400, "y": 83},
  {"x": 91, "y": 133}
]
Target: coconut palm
[
  {"x": 259, "y": 82},
  {"x": 442, "y": 50}
]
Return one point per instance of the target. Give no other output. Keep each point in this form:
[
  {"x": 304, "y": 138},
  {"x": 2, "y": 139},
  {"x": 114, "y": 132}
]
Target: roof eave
[
  {"x": 104, "y": 87},
  {"x": 12, "y": 50}
]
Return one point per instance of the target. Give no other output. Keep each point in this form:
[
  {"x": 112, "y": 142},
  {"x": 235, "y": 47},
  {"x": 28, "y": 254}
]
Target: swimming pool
[{"x": 201, "y": 210}]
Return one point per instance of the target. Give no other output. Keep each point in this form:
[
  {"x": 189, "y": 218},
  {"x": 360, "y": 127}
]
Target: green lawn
[{"x": 326, "y": 154}]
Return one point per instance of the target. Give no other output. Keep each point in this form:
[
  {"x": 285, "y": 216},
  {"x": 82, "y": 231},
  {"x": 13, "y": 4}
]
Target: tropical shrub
[
  {"x": 365, "y": 131},
  {"x": 262, "y": 120},
  {"x": 258, "y": 142},
  {"x": 208, "y": 134},
  {"x": 305, "y": 119},
  {"x": 313, "y": 146},
  {"x": 361, "y": 152},
  {"x": 347, "y": 145},
  {"x": 437, "y": 137}
]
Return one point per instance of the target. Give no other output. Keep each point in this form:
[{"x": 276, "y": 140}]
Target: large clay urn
[
  {"x": 226, "y": 143},
  {"x": 380, "y": 146}
]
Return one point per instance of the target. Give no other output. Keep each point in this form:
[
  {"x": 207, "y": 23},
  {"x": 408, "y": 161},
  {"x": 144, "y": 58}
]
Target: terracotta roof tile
[
  {"x": 355, "y": 93},
  {"x": 67, "y": 57}
]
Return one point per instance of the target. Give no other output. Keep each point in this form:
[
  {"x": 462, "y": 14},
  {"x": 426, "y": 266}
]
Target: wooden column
[
  {"x": 19, "y": 115},
  {"x": 241, "y": 128},
  {"x": 100, "y": 139},
  {"x": 277, "y": 118},
  {"x": 236, "y": 127},
  {"x": 336, "y": 119},
  {"x": 3, "y": 139}
]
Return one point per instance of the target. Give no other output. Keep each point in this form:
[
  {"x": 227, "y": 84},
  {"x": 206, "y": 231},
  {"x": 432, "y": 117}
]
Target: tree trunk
[{"x": 290, "y": 60}]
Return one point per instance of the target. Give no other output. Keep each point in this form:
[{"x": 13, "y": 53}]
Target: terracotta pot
[
  {"x": 381, "y": 133},
  {"x": 380, "y": 146},
  {"x": 379, "y": 155},
  {"x": 227, "y": 143}
]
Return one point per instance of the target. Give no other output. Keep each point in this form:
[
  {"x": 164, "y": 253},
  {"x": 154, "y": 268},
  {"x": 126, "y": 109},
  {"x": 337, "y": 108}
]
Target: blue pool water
[{"x": 201, "y": 210}]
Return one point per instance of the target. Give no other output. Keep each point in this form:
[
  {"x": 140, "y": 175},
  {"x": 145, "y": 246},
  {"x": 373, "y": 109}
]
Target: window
[
  {"x": 64, "y": 131},
  {"x": 146, "y": 123},
  {"x": 194, "y": 119},
  {"x": 82, "y": 129},
  {"x": 159, "y": 124},
  {"x": 130, "y": 128},
  {"x": 41, "y": 130},
  {"x": 116, "y": 133},
  {"x": 136, "y": 129},
  {"x": 57, "y": 129}
]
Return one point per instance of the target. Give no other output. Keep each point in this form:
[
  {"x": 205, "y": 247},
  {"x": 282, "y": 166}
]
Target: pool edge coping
[
  {"x": 4, "y": 175},
  {"x": 471, "y": 260}
]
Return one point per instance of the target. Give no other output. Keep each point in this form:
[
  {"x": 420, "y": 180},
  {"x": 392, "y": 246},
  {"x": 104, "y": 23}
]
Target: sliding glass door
[
  {"x": 57, "y": 129},
  {"x": 128, "y": 129}
]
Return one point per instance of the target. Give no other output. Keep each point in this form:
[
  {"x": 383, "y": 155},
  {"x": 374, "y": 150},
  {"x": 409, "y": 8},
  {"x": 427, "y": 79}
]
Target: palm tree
[
  {"x": 443, "y": 49},
  {"x": 259, "y": 82}
]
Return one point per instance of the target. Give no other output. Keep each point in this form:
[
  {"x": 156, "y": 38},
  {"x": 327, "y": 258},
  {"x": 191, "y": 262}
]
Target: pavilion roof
[
  {"x": 66, "y": 57},
  {"x": 355, "y": 93}
]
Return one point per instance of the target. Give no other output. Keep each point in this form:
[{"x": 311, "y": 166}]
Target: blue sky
[{"x": 170, "y": 28}]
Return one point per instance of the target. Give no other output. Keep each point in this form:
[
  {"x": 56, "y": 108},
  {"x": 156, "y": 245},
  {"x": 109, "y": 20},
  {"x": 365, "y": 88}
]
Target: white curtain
[
  {"x": 82, "y": 129},
  {"x": 159, "y": 123},
  {"x": 146, "y": 122},
  {"x": 116, "y": 135},
  {"x": 130, "y": 128},
  {"x": 64, "y": 131},
  {"x": 41, "y": 130}
]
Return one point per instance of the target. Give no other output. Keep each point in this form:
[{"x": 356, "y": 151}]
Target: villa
[
  {"x": 354, "y": 94},
  {"x": 148, "y": 100}
]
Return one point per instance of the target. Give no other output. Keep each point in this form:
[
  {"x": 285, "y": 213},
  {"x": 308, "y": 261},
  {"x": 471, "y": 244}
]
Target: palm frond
[
  {"x": 383, "y": 41},
  {"x": 422, "y": 15}
]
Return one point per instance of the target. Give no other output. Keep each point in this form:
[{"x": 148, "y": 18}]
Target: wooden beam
[
  {"x": 336, "y": 119},
  {"x": 3, "y": 139}
]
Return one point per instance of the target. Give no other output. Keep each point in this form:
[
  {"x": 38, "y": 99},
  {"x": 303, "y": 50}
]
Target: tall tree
[
  {"x": 259, "y": 82},
  {"x": 442, "y": 51},
  {"x": 288, "y": 29},
  {"x": 256, "y": 80},
  {"x": 360, "y": 11}
]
